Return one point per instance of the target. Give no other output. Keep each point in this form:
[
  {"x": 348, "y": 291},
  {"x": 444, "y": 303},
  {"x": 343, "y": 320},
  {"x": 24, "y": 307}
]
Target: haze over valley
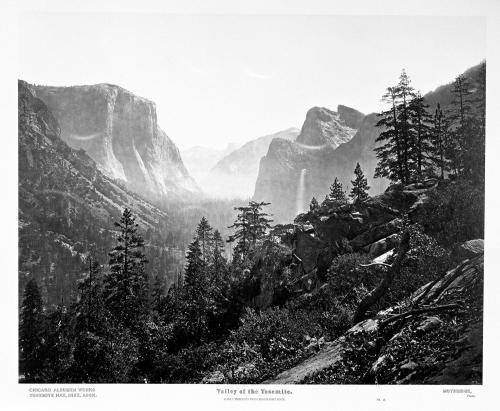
[{"x": 251, "y": 199}]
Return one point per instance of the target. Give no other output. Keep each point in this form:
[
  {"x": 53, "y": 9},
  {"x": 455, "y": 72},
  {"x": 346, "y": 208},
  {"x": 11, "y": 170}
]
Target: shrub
[
  {"x": 425, "y": 261},
  {"x": 347, "y": 277},
  {"x": 265, "y": 344},
  {"x": 454, "y": 213}
]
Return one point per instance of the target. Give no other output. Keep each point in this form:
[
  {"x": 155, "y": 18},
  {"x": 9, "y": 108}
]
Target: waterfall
[{"x": 299, "y": 202}]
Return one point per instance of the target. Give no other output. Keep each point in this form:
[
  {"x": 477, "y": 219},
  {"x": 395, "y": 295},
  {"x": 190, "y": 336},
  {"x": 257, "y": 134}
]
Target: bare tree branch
[
  {"x": 419, "y": 311},
  {"x": 373, "y": 296},
  {"x": 371, "y": 264}
]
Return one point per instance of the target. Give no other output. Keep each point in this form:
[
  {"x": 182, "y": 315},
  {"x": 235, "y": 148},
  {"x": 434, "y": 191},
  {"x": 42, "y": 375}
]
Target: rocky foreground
[{"x": 434, "y": 337}]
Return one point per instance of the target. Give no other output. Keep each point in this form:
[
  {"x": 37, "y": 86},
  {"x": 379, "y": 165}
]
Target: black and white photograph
[{"x": 250, "y": 199}]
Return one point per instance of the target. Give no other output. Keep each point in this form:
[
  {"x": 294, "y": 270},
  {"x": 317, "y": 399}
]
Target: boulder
[
  {"x": 308, "y": 248},
  {"x": 376, "y": 233},
  {"x": 469, "y": 249},
  {"x": 382, "y": 246},
  {"x": 215, "y": 377},
  {"x": 430, "y": 323}
]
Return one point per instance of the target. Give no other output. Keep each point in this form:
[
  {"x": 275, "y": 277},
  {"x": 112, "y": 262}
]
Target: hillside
[{"x": 67, "y": 206}]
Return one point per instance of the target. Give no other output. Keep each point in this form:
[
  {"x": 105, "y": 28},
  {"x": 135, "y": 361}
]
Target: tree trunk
[{"x": 372, "y": 297}]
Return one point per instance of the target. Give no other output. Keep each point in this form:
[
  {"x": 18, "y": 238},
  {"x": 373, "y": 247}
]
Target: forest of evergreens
[{"x": 125, "y": 325}]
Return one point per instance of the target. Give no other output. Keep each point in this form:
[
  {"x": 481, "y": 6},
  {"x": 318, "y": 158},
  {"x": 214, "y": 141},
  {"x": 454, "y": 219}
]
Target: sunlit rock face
[
  {"x": 329, "y": 145},
  {"x": 119, "y": 130},
  {"x": 323, "y": 126}
]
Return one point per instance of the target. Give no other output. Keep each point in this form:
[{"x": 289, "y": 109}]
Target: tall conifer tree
[
  {"x": 359, "y": 191},
  {"x": 31, "y": 333},
  {"x": 337, "y": 193},
  {"x": 126, "y": 285},
  {"x": 204, "y": 236}
]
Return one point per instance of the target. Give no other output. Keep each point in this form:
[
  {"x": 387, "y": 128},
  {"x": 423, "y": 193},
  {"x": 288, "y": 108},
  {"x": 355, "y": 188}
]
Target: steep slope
[
  {"x": 437, "y": 340},
  {"x": 235, "y": 174},
  {"x": 67, "y": 206},
  {"x": 443, "y": 94},
  {"x": 119, "y": 130}
]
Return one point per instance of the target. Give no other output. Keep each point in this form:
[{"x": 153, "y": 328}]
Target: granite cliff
[
  {"x": 330, "y": 143},
  {"x": 120, "y": 132},
  {"x": 67, "y": 207},
  {"x": 235, "y": 174}
]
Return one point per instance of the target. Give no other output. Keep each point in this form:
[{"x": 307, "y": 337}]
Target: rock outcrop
[
  {"x": 120, "y": 132},
  {"x": 433, "y": 338}
]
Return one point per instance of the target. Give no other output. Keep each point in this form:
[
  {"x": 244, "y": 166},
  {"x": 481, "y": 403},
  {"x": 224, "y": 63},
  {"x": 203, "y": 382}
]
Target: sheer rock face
[
  {"x": 66, "y": 205},
  {"x": 327, "y": 147},
  {"x": 323, "y": 126},
  {"x": 235, "y": 174},
  {"x": 120, "y": 132}
]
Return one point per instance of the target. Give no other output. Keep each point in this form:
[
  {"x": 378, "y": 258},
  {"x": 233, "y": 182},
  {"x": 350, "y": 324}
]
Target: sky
[{"x": 219, "y": 79}]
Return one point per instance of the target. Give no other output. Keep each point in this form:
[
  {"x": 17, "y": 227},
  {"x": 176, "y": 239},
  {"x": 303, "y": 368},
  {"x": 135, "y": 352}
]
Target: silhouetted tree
[
  {"x": 31, "y": 333},
  {"x": 397, "y": 136},
  {"x": 204, "y": 236},
  {"x": 359, "y": 191},
  {"x": 439, "y": 141},
  {"x": 420, "y": 137},
  {"x": 337, "y": 193},
  {"x": 126, "y": 284},
  {"x": 250, "y": 226},
  {"x": 314, "y": 205}
]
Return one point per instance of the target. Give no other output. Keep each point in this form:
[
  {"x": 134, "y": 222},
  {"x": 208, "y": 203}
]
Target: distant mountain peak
[{"x": 325, "y": 127}]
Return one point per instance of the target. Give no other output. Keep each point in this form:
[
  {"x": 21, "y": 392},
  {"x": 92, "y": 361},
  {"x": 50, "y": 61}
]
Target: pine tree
[
  {"x": 250, "y": 226},
  {"x": 242, "y": 232},
  {"x": 420, "y": 142},
  {"x": 359, "y": 191},
  {"x": 196, "y": 294},
  {"x": 475, "y": 158},
  {"x": 459, "y": 124},
  {"x": 193, "y": 274},
  {"x": 219, "y": 287},
  {"x": 31, "y": 333},
  {"x": 389, "y": 151},
  {"x": 439, "y": 141},
  {"x": 218, "y": 260},
  {"x": 405, "y": 93},
  {"x": 461, "y": 91},
  {"x": 337, "y": 193},
  {"x": 397, "y": 136},
  {"x": 126, "y": 284},
  {"x": 204, "y": 236},
  {"x": 158, "y": 291},
  {"x": 89, "y": 310},
  {"x": 314, "y": 205},
  {"x": 259, "y": 221}
]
